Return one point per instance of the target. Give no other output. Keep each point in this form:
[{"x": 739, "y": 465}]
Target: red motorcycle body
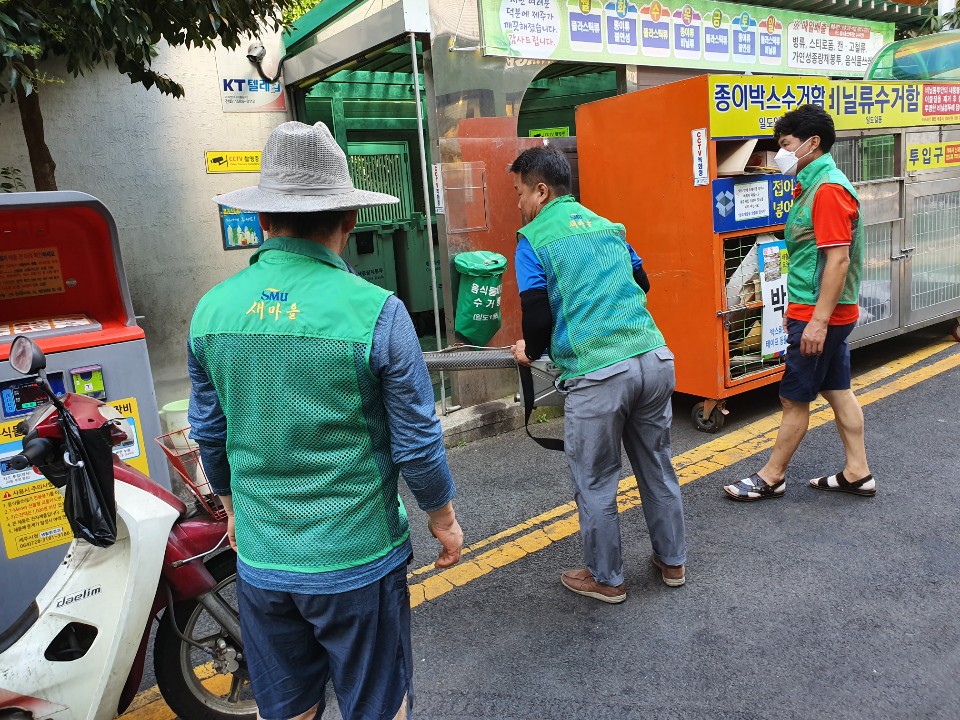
[
  {"x": 193, "y": 535},
  {"x": 189, "y": 537}
]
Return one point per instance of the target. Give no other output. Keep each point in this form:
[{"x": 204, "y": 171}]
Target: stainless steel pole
[{"x": 426, "y": 208}]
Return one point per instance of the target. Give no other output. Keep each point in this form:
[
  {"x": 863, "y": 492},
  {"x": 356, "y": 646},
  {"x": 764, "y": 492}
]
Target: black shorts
[
  {"x": 807, "y": 375},
  {"x": 360, "y": 639}
]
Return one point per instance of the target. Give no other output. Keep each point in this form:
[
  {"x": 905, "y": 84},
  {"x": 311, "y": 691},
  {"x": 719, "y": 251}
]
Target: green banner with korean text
[
  {"x": 750, "y": 106},
  {"x": 696, "y": 34}
]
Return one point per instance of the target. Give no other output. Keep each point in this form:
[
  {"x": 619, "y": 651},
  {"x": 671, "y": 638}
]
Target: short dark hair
[
  {"x": 306, "y": 224},
  {"x": 543, "y": 165},
  {"x": 805, "y": 122}
]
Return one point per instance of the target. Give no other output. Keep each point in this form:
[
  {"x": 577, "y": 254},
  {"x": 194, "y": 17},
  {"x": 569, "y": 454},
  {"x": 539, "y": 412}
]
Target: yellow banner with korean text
[
  {"x": 232, "y": 161},
  {"x": 750, "y": 106},
  {"x": 932, "y": 156},
  {"x": 31, "y": 509}
]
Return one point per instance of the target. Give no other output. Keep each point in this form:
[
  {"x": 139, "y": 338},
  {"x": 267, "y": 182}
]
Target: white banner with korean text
[
  {"x": 241, "y": 87},
  {"x": 773, "y": 265},
  {"x": 701, "y": 160}
]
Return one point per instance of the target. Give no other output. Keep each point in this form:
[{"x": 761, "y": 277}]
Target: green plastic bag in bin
[{"x": 478, "y": 300}]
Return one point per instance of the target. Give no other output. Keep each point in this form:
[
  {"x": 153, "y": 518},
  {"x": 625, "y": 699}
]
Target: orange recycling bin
[
  {"x": 686, "y": 167},
  {"x": 647, "y": 160}
]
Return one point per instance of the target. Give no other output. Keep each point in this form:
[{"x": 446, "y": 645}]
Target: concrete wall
[{"x": 142, "y": 154}]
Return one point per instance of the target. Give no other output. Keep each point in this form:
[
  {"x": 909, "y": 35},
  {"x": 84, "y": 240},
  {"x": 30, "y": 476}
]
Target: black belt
[{"x": 526, "y": 386}]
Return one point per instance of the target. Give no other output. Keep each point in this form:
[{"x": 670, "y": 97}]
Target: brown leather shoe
[
  {"x": 672, "y": 575},
  {"x": 582, "y": 583}
]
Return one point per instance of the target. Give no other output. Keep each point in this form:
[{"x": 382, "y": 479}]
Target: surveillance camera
[{"x": 256, "y": 52}]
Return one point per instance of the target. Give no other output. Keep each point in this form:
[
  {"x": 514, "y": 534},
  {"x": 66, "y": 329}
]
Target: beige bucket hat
[{"x": 303, "y": 170}]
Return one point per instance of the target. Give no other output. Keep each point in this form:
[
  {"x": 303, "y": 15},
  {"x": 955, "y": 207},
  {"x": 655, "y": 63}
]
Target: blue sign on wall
[
  {"x": 240, "y": 228},
  {"x": 751, "y": 201}
]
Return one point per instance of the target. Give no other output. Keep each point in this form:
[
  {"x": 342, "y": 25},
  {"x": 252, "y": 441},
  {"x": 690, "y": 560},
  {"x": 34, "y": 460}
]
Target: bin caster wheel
[
  {"x": 710, "y": 424},
  {"x": 955, "y": 331}
]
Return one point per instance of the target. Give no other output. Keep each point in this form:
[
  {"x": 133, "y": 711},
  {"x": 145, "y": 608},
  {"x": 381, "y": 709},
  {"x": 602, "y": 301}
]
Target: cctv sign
[
  {"x": 232, "y": 161},
  {"x": 241, "y": 87}
]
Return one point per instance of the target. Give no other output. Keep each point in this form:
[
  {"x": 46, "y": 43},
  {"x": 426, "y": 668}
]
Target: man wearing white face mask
[{"x": 824, "y": 237}]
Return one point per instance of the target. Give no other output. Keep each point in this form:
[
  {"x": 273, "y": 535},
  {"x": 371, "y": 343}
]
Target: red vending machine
[{"x": 62, "y": 283}]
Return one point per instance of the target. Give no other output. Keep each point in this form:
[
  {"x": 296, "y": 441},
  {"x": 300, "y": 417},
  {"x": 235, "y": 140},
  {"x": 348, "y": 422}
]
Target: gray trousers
[{"x": 629, "y": 403}]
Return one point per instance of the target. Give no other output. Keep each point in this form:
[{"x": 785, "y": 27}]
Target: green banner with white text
[{"x": 704, "y": 35}]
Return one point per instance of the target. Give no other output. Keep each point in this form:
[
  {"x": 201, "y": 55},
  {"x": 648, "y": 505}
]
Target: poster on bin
[
  {"x": 701, "y": 159},
  {"x": 31, "y": 509},
  {"x": 751, "y": 201},
  {"x": 773, "y": 264}
]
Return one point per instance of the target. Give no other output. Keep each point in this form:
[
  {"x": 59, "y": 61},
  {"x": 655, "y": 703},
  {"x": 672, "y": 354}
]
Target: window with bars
[
  {"x": 384, "y": 168},
  {"x": 935, "y": 265},
  {"x": 877, "y": 279},
  {"x": 866, "y": 159},
  {"x": 863, "y": 159},
  {"x": 744, "y": 308}
]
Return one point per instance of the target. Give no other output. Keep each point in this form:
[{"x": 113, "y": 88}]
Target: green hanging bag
[{"x": 478, "y": 300}]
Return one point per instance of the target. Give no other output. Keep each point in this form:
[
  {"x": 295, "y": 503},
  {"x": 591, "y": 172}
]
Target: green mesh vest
[
  {"x": 600, "y": 314},
  {"x": 806, "y": 260},
  {"x": 286, "y": 342}
]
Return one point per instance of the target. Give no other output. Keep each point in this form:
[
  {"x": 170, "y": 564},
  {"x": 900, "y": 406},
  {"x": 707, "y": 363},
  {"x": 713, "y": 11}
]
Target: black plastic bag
[{"x": 89, "y": 500}]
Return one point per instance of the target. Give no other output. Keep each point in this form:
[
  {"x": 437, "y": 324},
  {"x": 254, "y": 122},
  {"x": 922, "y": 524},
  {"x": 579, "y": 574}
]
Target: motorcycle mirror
[{"x": 26, "y": 357}]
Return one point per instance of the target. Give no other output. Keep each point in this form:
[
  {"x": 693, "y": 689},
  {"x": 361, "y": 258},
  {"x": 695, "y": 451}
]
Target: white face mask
[{"x": 787, "y": 160}]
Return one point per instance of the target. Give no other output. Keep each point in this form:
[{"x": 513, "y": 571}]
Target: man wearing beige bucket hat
[{"x": 310, "y": 396}]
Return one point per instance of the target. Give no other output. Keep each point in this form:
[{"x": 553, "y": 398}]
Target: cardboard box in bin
[{"x": 762, "y": 158}]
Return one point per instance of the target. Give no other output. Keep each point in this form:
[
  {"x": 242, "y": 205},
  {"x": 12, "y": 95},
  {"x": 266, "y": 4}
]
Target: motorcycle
[{"x": 144, "y": 558}]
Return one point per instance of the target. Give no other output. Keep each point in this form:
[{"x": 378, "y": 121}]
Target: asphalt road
[{"x": 814, "y": 606}]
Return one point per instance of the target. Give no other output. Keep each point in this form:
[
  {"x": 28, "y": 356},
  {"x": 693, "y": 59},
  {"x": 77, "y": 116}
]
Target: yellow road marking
[
  {"x": 149, "y": 704},
  {"x": 692, "y": 465},
  {"x": 143, "y": 700},
  {"x": 561, "y": 522},
  {"x": 710, "y": 449},
  {"x": 516, "y": 529}
]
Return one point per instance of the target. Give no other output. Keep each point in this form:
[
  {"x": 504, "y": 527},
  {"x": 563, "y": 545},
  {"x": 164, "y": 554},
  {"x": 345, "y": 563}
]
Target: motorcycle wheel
[{"x": 198, "y": 684}]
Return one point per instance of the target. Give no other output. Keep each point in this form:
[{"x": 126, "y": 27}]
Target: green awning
[
  {"x": 309, "y": 23},
  {"x": 879, "y": 10},
  {"x": 928, "y": 57}
]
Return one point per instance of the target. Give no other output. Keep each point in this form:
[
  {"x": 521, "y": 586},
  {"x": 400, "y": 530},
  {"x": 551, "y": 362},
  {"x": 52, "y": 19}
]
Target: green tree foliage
[
  {"x": 88, "y": 33},
  {"x": 948, "y": 21},
  {"x": 10, "y": 180},
  {"x": 933, "y": 24},
  {"x": 298, "y": 9}
]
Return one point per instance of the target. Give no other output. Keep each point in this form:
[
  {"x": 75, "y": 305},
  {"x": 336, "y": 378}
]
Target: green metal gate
[
  {"x": 382, "y": 167},
  {"x": 385, "y": 167}
]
